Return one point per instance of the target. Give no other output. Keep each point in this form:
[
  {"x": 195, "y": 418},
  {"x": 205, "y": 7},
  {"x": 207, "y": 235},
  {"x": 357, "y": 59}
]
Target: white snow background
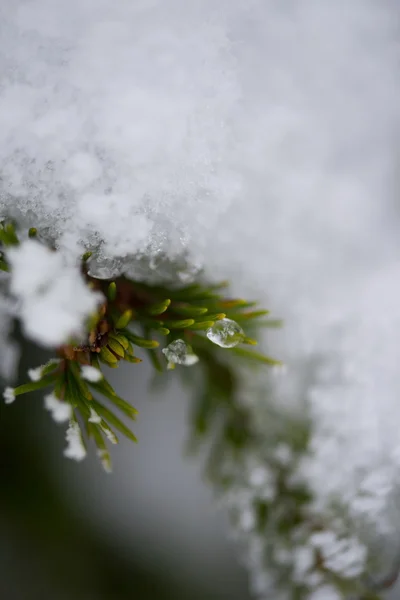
[{"x": 258, "y": 138}]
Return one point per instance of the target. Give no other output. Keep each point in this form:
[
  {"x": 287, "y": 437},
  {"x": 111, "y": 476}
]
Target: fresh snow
[
  {"x": 91, "y": 374},
  {"x": 94, "y": 417},
  {"x": 60, "y": 411},
  {"x": 75, "y": 448},
  {"x": 9, "y": 395},
  {"x": 35, "y": 374},
  {"x": 258, "y": 140},
  {"x": 54, "y": 300}
]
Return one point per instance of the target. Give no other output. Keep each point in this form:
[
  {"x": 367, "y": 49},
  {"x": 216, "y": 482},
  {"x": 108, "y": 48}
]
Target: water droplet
[
  {"x": 180, "y": 353},
  {"x": 226, "y": 333}
]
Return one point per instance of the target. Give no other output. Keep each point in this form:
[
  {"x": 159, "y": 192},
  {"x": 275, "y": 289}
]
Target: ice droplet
[
  {"x": 189, "y": 273},
  {"x": 180, "y": 353},
  {"x": 226, "y": 333},
  {"x": 105, "y": 268}
]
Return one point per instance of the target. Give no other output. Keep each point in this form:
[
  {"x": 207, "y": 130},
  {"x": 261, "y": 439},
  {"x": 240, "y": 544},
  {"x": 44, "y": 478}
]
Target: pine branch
[{"x": 167, "y": 323}]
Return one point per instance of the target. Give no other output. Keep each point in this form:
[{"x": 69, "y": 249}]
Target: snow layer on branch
[
  {"x": 60, "y": 411},
  {"x": 53, "y": 298},
  {"x": 75, "y": 449},
  {"x": 115, "y": 119},
  {"x": 91, "y": 374}
]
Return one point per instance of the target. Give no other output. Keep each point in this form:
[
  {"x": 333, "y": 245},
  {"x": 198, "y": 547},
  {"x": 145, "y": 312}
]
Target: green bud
[
  {"x": 116, "y": 347},
  {"x": 124, "y": 319},
  {"x": 112, "y": 291},
  {"x": 107, "y": 356},
  {"x": 201, "y": 325},
  {"x": 87, "y": 255},
  {"x": 159, "y": 308},
  {"x": 183, "y": 324},
  {"x": 190, "y": 311}
]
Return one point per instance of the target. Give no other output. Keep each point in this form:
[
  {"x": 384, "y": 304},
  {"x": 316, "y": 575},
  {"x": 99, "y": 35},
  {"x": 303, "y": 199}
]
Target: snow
[
  {"x": 94, "y": 416},
  {"x": 54, "y": 300},
  {"x": 117, "y": 162},
  {"x": 60, "y": 410},
  {"x": 75, "y": 449},
  {"x": 346, "y": 557},
  {"x": 105, "y": 460},
  {"x": 35, "y": 374},
  {"x": 109, "y": 435},
  {"x": 91, "y": 374},
  {"x": 9, "y": 395},
  {"x": 259, "y": 476},
  {"x": 257, "y": 140}
]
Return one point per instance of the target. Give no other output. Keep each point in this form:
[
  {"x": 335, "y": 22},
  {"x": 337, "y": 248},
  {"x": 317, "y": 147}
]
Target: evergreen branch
[{"x": 131, "y": 314}]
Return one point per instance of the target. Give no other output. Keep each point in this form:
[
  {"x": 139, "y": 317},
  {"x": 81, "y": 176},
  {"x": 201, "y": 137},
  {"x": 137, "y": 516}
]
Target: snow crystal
[
  {"x": 9, "y": 395},
  {"x": 94, "y": 416},
  {"x": 60, "y": 410},
  {"x": 91, "y": 374},
  {"x": 109, "y": 434},
  {"x": 105, "y": 460},
  {"x": 226, "y": 333},
  {"x": 35, "y": 374},
  {"x": 54, "y": 300},
  {"x": 180, "y": 353},
  {"x": 75, "y": 449}
]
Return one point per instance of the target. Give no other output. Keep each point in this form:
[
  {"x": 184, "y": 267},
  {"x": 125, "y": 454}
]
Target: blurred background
[{"x": 150, "y": 530}]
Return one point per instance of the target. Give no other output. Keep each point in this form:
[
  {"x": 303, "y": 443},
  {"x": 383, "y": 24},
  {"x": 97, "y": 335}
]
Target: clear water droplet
[
  {"x": 180, "y": 353},
  {"x": 226, "y": 333}
]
